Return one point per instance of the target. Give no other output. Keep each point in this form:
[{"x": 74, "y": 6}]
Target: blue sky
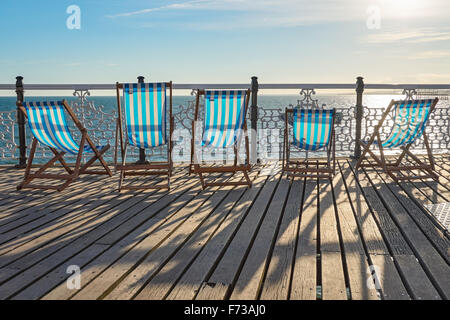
[{"x": 226, "y": 41}]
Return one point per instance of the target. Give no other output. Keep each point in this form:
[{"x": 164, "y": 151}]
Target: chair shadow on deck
[{"x": 176, "y": 242}]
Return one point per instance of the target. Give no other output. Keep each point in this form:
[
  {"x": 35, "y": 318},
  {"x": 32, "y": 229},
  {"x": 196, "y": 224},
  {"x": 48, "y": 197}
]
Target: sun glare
[{"x": 405, "y": 8}]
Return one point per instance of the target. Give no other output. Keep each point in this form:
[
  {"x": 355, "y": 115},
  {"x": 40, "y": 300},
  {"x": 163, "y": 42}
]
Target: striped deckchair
[
  {"x": 312, "y": 130},
  {"x": 145, "y": 113},
  {"x": 410, "y": 120},
  {"x": 48, "y": 125},
  {"x": 224, "y": 125}
]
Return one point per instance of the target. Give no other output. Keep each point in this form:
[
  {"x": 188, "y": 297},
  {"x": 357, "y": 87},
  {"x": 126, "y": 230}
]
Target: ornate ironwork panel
[
  {"x": 8, "y": 138},
  {"x": 101, "y": 125}
]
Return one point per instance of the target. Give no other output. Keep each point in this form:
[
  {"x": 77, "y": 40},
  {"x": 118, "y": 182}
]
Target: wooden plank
[
  {"x": 49, "y": 252},
  {"x": 434, "y": 265},
  {"x": 168, "y": 220},
  {"x": 443, "y": 168},
  {"x": 422, "y": 192},
  {"x": 333, "y": 279},
  {"x": 17, "y": 204},
  {"x": 355, "y": 255},
  {"x": 66, "y": 214},
  {"x": 423, "y": 289},
  {"x": 248, "y": 284},
  {"x": 36, "y": 289},
  {"x": 304, "y": 274},
  {"x": 133, "y": 210},
  {"x": 11, "y": 176},
  {"x": 43, "y": 200},
  {"x": 147, "y": 256},
  {"x": 39, "y": 288},
  {"x": 99, "y": 244},
  {"x": 203, "y": 249},
  {"x": 421, "y": 195},
  {"x": 189, "y": 250},
  {"x": 67, "y": 228},
  {"x": 372, "y": 238},
  {"x": 386, "y": 272},
  {"x": 435, "y": 234},
  {"x": 11, "y": 182},
  {"x": 37, "y": 215},
  {"x": 226, "y": 272},
  {"x": 435, "y": 191},
  {"x": 277, "y": 282}
]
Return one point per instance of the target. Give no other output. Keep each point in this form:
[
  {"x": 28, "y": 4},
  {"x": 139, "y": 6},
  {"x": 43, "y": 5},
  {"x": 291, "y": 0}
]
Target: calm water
[{"x": 264, "y": 101}]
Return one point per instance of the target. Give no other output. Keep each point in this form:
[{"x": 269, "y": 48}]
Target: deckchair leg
[
  {"x": 363, "y": 155},
  {"x": 380, "y": 147},
  {"x": 288, "y": 155},
  {"x": 93, "y": 159},
  {"x": 402, "y": 155},
  {"x": 285, "y": 138},
  {"x": 121, "y": 176},
  {"x": 376, "y": 132},
  {"x": 99, "y": 156},
  {"x": 428, "y": 168},
  {"x": 38, "y": 173},
  {"x": 247, "y": 178},
  {"x": 62, "y": 161},
  {"x": 80, "y": 154},
  {"x": 192, "y": 147},
  {"x": 116, "y": 143},
  {"x": 427, "y": 145},
  {"x": 168, "y": 180},
  {"x": 334, "y": 153},
  {"x": 28, "y": 168},
  {"x": 122, "y": 171},
  {"x": 202, "y": 180}
]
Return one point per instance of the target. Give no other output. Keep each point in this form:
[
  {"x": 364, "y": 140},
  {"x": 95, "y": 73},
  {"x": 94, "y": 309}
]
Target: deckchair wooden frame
[
  {"x": 308, "y": 168},
  {"x": 132, "y": 169},
  {"x": 196, "y": 168},
  {"x": 391, "y": 168},
  {"x": 71, "y": 174}
]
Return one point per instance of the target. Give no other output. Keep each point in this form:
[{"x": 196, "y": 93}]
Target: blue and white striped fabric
[
  {"x": 145, "y": 113},
  {"x": 409, "y": 122},
  {"x": 312, "y": 128},
  {"x": 48, "y": 124},
  {"x": 224, "y": 117}
]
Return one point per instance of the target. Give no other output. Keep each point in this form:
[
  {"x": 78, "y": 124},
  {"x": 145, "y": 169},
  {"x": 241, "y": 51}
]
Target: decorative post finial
[
  {"x": 254, "y": 84},
  {"x": 359, "y": 84},
  {"x": 19, "y": 88}
]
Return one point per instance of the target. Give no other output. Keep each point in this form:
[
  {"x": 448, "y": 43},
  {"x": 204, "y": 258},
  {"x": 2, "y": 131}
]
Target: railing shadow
[{"x": 50, "y": 242}]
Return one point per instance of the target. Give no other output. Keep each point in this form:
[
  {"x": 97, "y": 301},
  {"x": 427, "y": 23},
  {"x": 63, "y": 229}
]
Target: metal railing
[{"x": 355, "y": 121}]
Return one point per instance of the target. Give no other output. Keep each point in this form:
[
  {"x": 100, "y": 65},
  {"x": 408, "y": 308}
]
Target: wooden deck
[{"x": 360, "y": 237}]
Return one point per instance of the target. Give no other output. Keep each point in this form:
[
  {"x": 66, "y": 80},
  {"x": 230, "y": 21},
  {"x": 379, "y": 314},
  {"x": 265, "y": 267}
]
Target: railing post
[
  {"x": 254, "y": 121},
  {"x": 359, "y": 116},
  {"x": 21, "y": 124},
  {"x": 141, "y": 150}
]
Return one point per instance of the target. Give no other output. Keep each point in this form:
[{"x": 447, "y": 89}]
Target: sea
[{"x": 264, "y": 101}]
